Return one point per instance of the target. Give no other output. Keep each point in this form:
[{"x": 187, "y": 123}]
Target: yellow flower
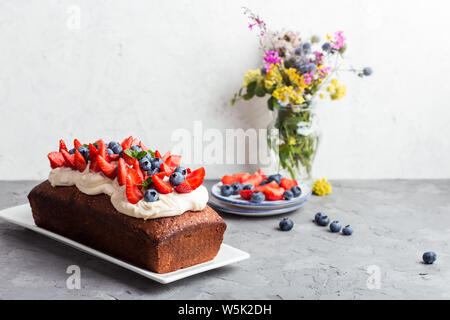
[
  {"x": 328, "y": 37},
  {"x": 322, "y": 96},
  {"x": 321, "y": 187},
  {"x": 252, "y": 75},
  {"x": 334, "y": 82},
  {"x": 292, "y": 141}
]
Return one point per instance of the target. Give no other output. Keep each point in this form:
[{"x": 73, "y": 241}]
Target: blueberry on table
[
  {"x": 296, "y": 191},
  {"x": 181, "y": 170},
  {"x": 176, "y": 178},
  {"x": 323, "y": 221},
  {"x": 335, "y": 226},
  {"x": 257, "y": 197},
  {"x": 429, "y": 257},
  {"x": 236, "y": 188},
  {"x": 151, "y": 195},
  {"x": 248, "y": 187},
  {"x": 226, "y": 190},
  {"x": 286, "y": 224},
  {"x": 288, "y": 195},
  {"x": 317, "y": 216},
  {"x": 348, "y": 230}
]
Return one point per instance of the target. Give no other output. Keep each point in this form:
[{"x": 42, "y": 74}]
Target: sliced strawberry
[
  {"x": 135, "y": 175},
  {"x": 137, "y": 167},
  {"x": 287, "y": 184},
  {"x": 259, "y": 171},
  {"x": 173, "y": 160},
  {"x": 56, "y": 159},
  {"x": 122, "y": 172},
  {"x": 144, "y": 148},
  {"x": 160, "y": 175},
  {"x": 108, "y": 169},
  {"x": 246, "y": 194},
  {"x": 132, "y": 190},
  {"x": 77, "y": 144},
  {"x": 126, "y": 144},
  {"x": 102, "y": 150},
  {"x": 273, "y": 194},
  {"x": 62, "y": 145},
  {"x": 93, "y": 153},
  {"x": 188, "y": 170},
  {"x": 158, "y": 155},
  {"x": 184, "y": 187},
  {"x": 160, "y": 185},
  {"x": 196, "y": 177},
  {"x": 168, "y": 170},
  {"x": 134, "y": 142},
  {"x": 254, "y": 180},
  {"x": 80, "y": 162},
  {"x": 114, "y": 157},
  {"x": 242, "y": 176},
  {"x": 69, "y": 158},
  {"x": 269, "y": 185},
  {"x": 230, "y": 179},
  {"x": 165, "y": 156}
]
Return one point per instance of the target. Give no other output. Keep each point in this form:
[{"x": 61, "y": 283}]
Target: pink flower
[
  {"x": 250, "y": 26},
  {"x": 338, "y": 40}
]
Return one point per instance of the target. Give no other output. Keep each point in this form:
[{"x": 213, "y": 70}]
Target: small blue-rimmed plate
[
  {"x": 252, "y": 212},
  {"x": 237, "y": 201}
]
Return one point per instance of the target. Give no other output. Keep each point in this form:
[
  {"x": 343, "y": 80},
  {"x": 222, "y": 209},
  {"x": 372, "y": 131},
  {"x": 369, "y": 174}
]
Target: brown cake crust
[{"x": 160, "y": 245}]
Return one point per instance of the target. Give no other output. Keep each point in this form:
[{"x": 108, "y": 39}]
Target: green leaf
[
  {"x": 272, "y": 103},
  {"x": 260, "y": 91},
  {"x": 131, "y": 153},
  {"x": 141, "y": 154},
  {"x": 251, "y": 88}
]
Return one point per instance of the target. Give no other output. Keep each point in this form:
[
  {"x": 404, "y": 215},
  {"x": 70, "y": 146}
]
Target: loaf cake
[{"x": 131, "y": 203}]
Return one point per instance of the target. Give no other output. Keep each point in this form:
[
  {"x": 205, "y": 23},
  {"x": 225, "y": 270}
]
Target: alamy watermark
[{"x": 74, "y": 280}]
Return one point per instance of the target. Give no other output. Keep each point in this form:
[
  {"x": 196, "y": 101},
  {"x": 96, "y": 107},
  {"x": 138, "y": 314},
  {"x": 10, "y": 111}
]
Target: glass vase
[{"x": 293, "y": 138}]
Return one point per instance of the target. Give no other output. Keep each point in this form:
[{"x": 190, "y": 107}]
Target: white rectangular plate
[{"x": 22, "y": 216}]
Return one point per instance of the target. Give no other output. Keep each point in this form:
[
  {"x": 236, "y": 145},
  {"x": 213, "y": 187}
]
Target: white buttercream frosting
[{"x": 171, "y": 204}]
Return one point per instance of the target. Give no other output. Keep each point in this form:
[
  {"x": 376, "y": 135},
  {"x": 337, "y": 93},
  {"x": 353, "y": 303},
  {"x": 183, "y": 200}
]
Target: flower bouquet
[{"x": 294, "y": 72}]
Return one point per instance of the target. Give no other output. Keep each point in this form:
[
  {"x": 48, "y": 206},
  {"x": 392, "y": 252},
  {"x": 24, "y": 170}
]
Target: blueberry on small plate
[
  {"x": 236, "y": 187},
  {"x": 226, "y": 190},
  {"x": 257, "y": 197}
]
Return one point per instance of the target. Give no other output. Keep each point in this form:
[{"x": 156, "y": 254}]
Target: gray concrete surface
[{"x": 394, "y": 222}]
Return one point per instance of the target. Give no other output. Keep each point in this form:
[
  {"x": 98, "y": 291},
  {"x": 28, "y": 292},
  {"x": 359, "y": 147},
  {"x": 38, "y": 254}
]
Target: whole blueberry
[
  {"x": 335, "y": 226},
  {"x": 151, "y": 195},
  {"x": 275, "y": 177},
  {"x": 429, "y": 257},
  {"x": 318, "y": 216},
  {"x": 296, "y": 191},
  {"x": 236, "y": 188},
  {"x": 111, "y": 144},
  {"x": 110, "y": 152},
  {"x": 145, "y": 163},
  {"x": 367, "y": 71},
  {"x": 84, "y": 152},
  {"x": 181, "y": 170},
  {"x": 347, "y": 231},
  {"x": 248, "y": 187},
  {"x": 326, "y": 47},
  {"x": 323, "y": 221},
  {"x": 136, "y": 148},
  {"x": 257, "y": 197},
  {"x": 72, "y": 151},
  {"x": 176, "y": 178},
  {"x": 153, "y": 171},
  {"x": 157, "y": 162},
  {"x": 117, "y": 148},
  {"x": 288, "y": 195},
  {"x": 306, "y": 47},
  {"x": 286, "y": 224},
  {"x": 226, "y": 190}
]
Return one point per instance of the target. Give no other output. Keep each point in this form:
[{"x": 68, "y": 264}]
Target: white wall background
[{"x": 148, "y": 67}]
